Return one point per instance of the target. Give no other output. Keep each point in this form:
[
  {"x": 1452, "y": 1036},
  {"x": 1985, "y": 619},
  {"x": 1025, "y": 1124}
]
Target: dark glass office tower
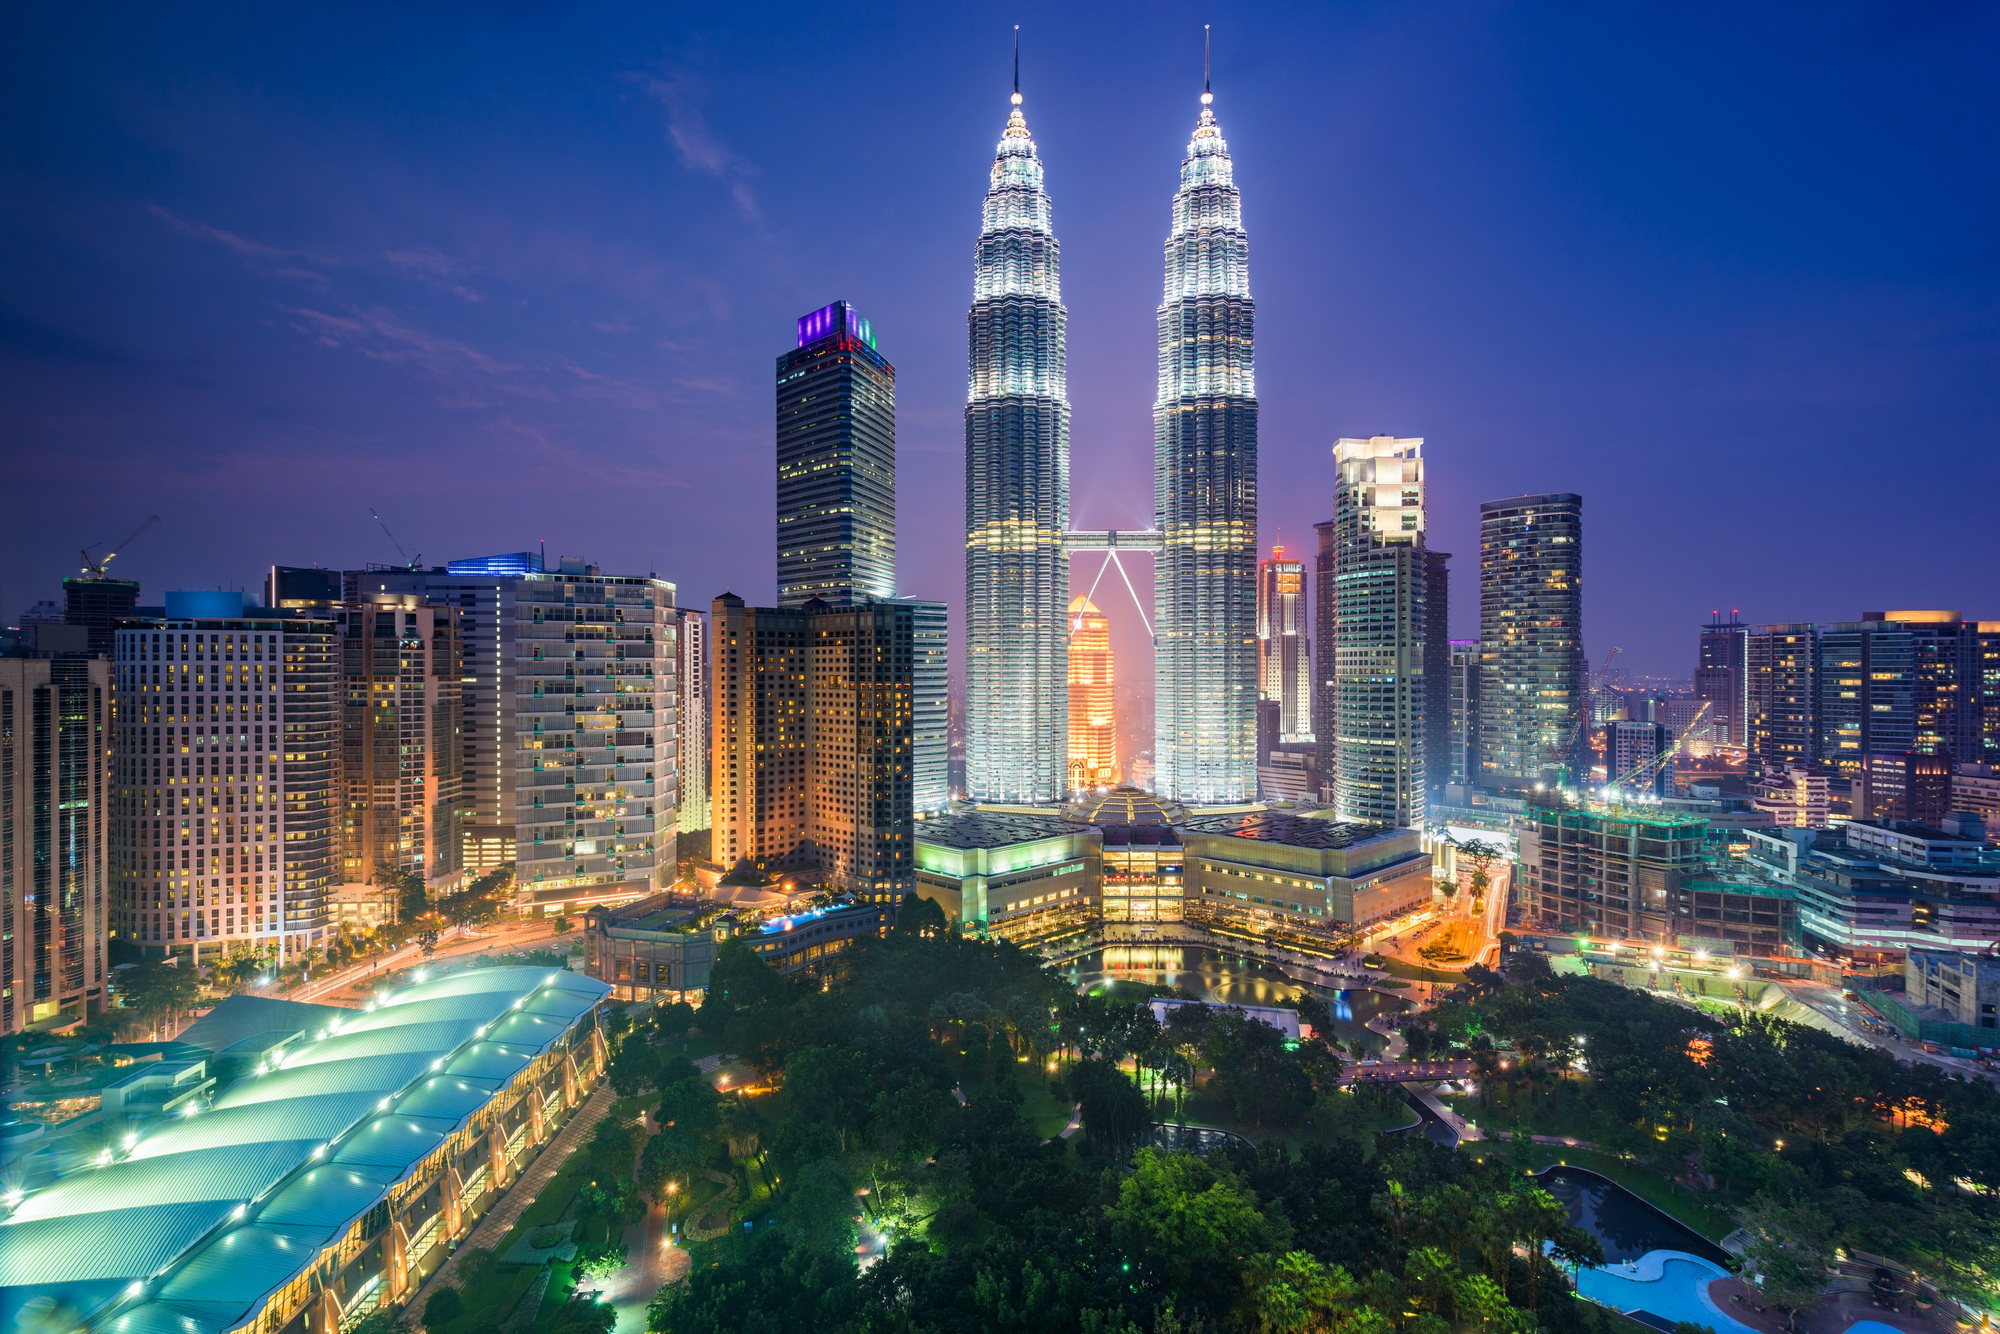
[
  {"x": 98, "y": 605},
  {"x": 836, "y": 463},
  {"x": 1205, "y": 490}
]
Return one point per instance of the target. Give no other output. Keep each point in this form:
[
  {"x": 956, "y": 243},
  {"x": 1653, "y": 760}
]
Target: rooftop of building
[
  {"x": 993, "y": 829},
  {"x": 1128, "y": 805},
  {"x": 1141, "y": 835},
  {"x": 1622, "y": 814},
  {"x": 1299, "y": 831},
  {"x": 195, "y": 1221}
]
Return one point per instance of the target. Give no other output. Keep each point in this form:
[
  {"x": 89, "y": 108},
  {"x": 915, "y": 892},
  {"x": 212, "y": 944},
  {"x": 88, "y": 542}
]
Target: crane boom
[
  {"x": 1649, "y": 768},
  {"x": 94, "y": 569},
  {"x": 408, "y": 560}
]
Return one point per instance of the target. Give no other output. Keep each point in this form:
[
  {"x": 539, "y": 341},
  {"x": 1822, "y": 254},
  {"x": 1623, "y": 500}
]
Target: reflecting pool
[{"x": 1216, "y": 975}]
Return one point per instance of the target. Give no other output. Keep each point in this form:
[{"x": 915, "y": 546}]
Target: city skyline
[{"x": 393, "y": 327}]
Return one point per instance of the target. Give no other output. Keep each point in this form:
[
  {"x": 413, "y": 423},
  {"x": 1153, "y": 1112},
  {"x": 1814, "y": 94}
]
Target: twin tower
[{"x": 1018, "y": 537}]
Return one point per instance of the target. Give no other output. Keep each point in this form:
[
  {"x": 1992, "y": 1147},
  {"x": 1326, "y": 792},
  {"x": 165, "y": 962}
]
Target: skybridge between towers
[{"x": 1112, "y": 541}]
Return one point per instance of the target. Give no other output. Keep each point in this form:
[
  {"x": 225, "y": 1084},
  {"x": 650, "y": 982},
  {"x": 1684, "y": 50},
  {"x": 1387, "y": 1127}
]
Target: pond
[
  {"x": 1215, "y": 975},
  {"x": 1626, "y": 1225}
]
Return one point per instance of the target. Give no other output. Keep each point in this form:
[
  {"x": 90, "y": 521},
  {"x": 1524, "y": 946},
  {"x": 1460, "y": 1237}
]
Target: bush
[{"x": 444, "y": 1306}]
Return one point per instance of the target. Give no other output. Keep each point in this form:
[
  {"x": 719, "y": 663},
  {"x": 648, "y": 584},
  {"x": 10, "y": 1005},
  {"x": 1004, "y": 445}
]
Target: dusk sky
[{"x": 518, "y": 273}]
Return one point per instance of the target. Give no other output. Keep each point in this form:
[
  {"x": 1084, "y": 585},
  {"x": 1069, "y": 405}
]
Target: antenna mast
[
  {"x": 1017, "y": 64},
  {"x": 1206, "y": 94}
]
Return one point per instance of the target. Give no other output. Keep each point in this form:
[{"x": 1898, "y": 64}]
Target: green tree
[
  {"x": 159, "y": 993},
  {"x": 1789, "y": 1253},
  {"x": 1193, "y": 1222},
  {"x": 634, "y": 1066},
  {"x": 832, "y": 1085},
  {"x": 919, "y": 916},
  {"x": 444, "y": 1306},
  {"x": 1115, "y": 1116}
]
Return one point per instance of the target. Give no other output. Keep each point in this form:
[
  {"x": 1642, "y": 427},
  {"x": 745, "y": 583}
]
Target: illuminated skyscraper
[
  {"x": 1016, "y": 490},
  {"x": 1380, "y": 623},
  {"x": 1531, "y": 681},
  {"x": 836, "y": 462},
  {"x": 1093, "y": 720},
  {"x": 1205, "y": 490},
  {"x": 1284, "y": 662}
]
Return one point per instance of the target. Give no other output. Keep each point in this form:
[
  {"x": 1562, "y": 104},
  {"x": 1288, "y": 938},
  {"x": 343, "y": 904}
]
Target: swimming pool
[{"x": 1669, "y": 1284}]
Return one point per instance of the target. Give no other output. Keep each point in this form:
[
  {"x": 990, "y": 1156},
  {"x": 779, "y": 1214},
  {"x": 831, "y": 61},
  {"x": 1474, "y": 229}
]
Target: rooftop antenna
[
  {"x": 1206, "y": 95},
  {"x": 1017, "y": 64}
]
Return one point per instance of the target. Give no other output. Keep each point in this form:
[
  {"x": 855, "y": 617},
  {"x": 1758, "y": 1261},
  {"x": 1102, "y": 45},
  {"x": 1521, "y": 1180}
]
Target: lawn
[
  {"x": 1708, "y": 1218},
  {"x": 1414, "y": 972},
  {"x": 1048, "y": 1112},
  {"x": 488, "y": 1304}
]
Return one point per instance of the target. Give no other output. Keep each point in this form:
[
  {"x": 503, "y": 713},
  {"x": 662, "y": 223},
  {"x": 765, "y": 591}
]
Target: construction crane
[
  {"x": 95, "y": 569},
  {"x": 1650, "y": 768},
  {"x": 409, "y": 562}
]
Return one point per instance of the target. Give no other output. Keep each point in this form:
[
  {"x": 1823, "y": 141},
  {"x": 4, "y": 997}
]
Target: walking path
[{"x": 502, "y": 1217}]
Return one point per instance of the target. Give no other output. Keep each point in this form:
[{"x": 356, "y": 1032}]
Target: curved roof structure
[{"x": 203, "y": 1217}]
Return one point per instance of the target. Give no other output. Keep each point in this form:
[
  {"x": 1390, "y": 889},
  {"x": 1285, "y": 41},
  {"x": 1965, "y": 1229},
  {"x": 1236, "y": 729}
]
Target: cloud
[
  {"x": 435, "y": 268},
  {"x": 228, "y": 240},
  {"x": 463, "y": 370},
  {"x": 698, "y": 149}
]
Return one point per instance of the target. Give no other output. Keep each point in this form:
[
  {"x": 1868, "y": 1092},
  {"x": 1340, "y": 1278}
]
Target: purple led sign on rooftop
[{"x": 838, "y": 318}]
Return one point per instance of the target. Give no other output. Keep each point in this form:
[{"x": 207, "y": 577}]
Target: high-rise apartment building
[
  {"x": 571, "y": 745},
  {"x": 836, "y": 462},
  {"x": 1720, "y": 678},
  {"x": 1016, "y": 490},
  {"x": 1782, "y": 664},
  {"x": 1205, "y": 490},
  {"x": 56, "y": 719},
  {"x": 1284, "y": 654},
  {"x": 1794, "y": 798},
  {"x": 1379, "y": 632},
  {"x": 228, "y": 826},
  {"x": 813, "y": 769},
  {"x": 1531, "y": 681},
  {"x": 402, "y": 720},
  {"x": 1093, "y": 708},
  {"x": 1638, "y": 759},
  {"x": 694, "y": 722}
]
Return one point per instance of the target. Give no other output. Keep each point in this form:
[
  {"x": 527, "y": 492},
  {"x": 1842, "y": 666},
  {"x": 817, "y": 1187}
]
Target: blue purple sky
[{"x": 515, "y": 273}]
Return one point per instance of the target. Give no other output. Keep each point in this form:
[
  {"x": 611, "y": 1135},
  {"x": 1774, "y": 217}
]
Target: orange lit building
[{"x": 1093, "y": 722}]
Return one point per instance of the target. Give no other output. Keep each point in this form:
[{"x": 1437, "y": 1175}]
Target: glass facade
[
  {"x": 836, "y": 462},
  {"x": 1205, "y": 490},
  {"x": 1093, "y": 703},
  {"x": 1284, "y": 662},
  {"x": 1016, "y": 490},
  {"x": 1531, "y": 684},
  {"x": 401, "y": 740},
  {"x": 1379, "y": 613},
  {"x": 55, "y": 747}
]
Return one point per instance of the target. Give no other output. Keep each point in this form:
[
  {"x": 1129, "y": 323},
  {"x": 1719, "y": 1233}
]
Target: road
[
  {"x": 1849, "y": 1018},
  {"x": 458, "y": 943},
  {"x": 1387, "y": 1072}
]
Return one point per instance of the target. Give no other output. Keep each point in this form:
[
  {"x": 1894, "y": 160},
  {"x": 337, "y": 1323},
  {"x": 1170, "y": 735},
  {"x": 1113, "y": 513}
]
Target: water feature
[
  {"x": 1626, "y": 1225},
  {"x": 1216, "y": 975},
  {"x": 1665, "y": 1286}
]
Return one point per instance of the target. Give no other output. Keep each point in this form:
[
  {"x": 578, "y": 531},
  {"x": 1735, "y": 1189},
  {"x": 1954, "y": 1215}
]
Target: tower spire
[
  {"x": 1017, "y": 64},
  {"x": 1206, "y": 95}
]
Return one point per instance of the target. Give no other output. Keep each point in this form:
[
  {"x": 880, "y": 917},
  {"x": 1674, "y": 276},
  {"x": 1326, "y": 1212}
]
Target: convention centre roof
[{"x": 194, "y": 1222}]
